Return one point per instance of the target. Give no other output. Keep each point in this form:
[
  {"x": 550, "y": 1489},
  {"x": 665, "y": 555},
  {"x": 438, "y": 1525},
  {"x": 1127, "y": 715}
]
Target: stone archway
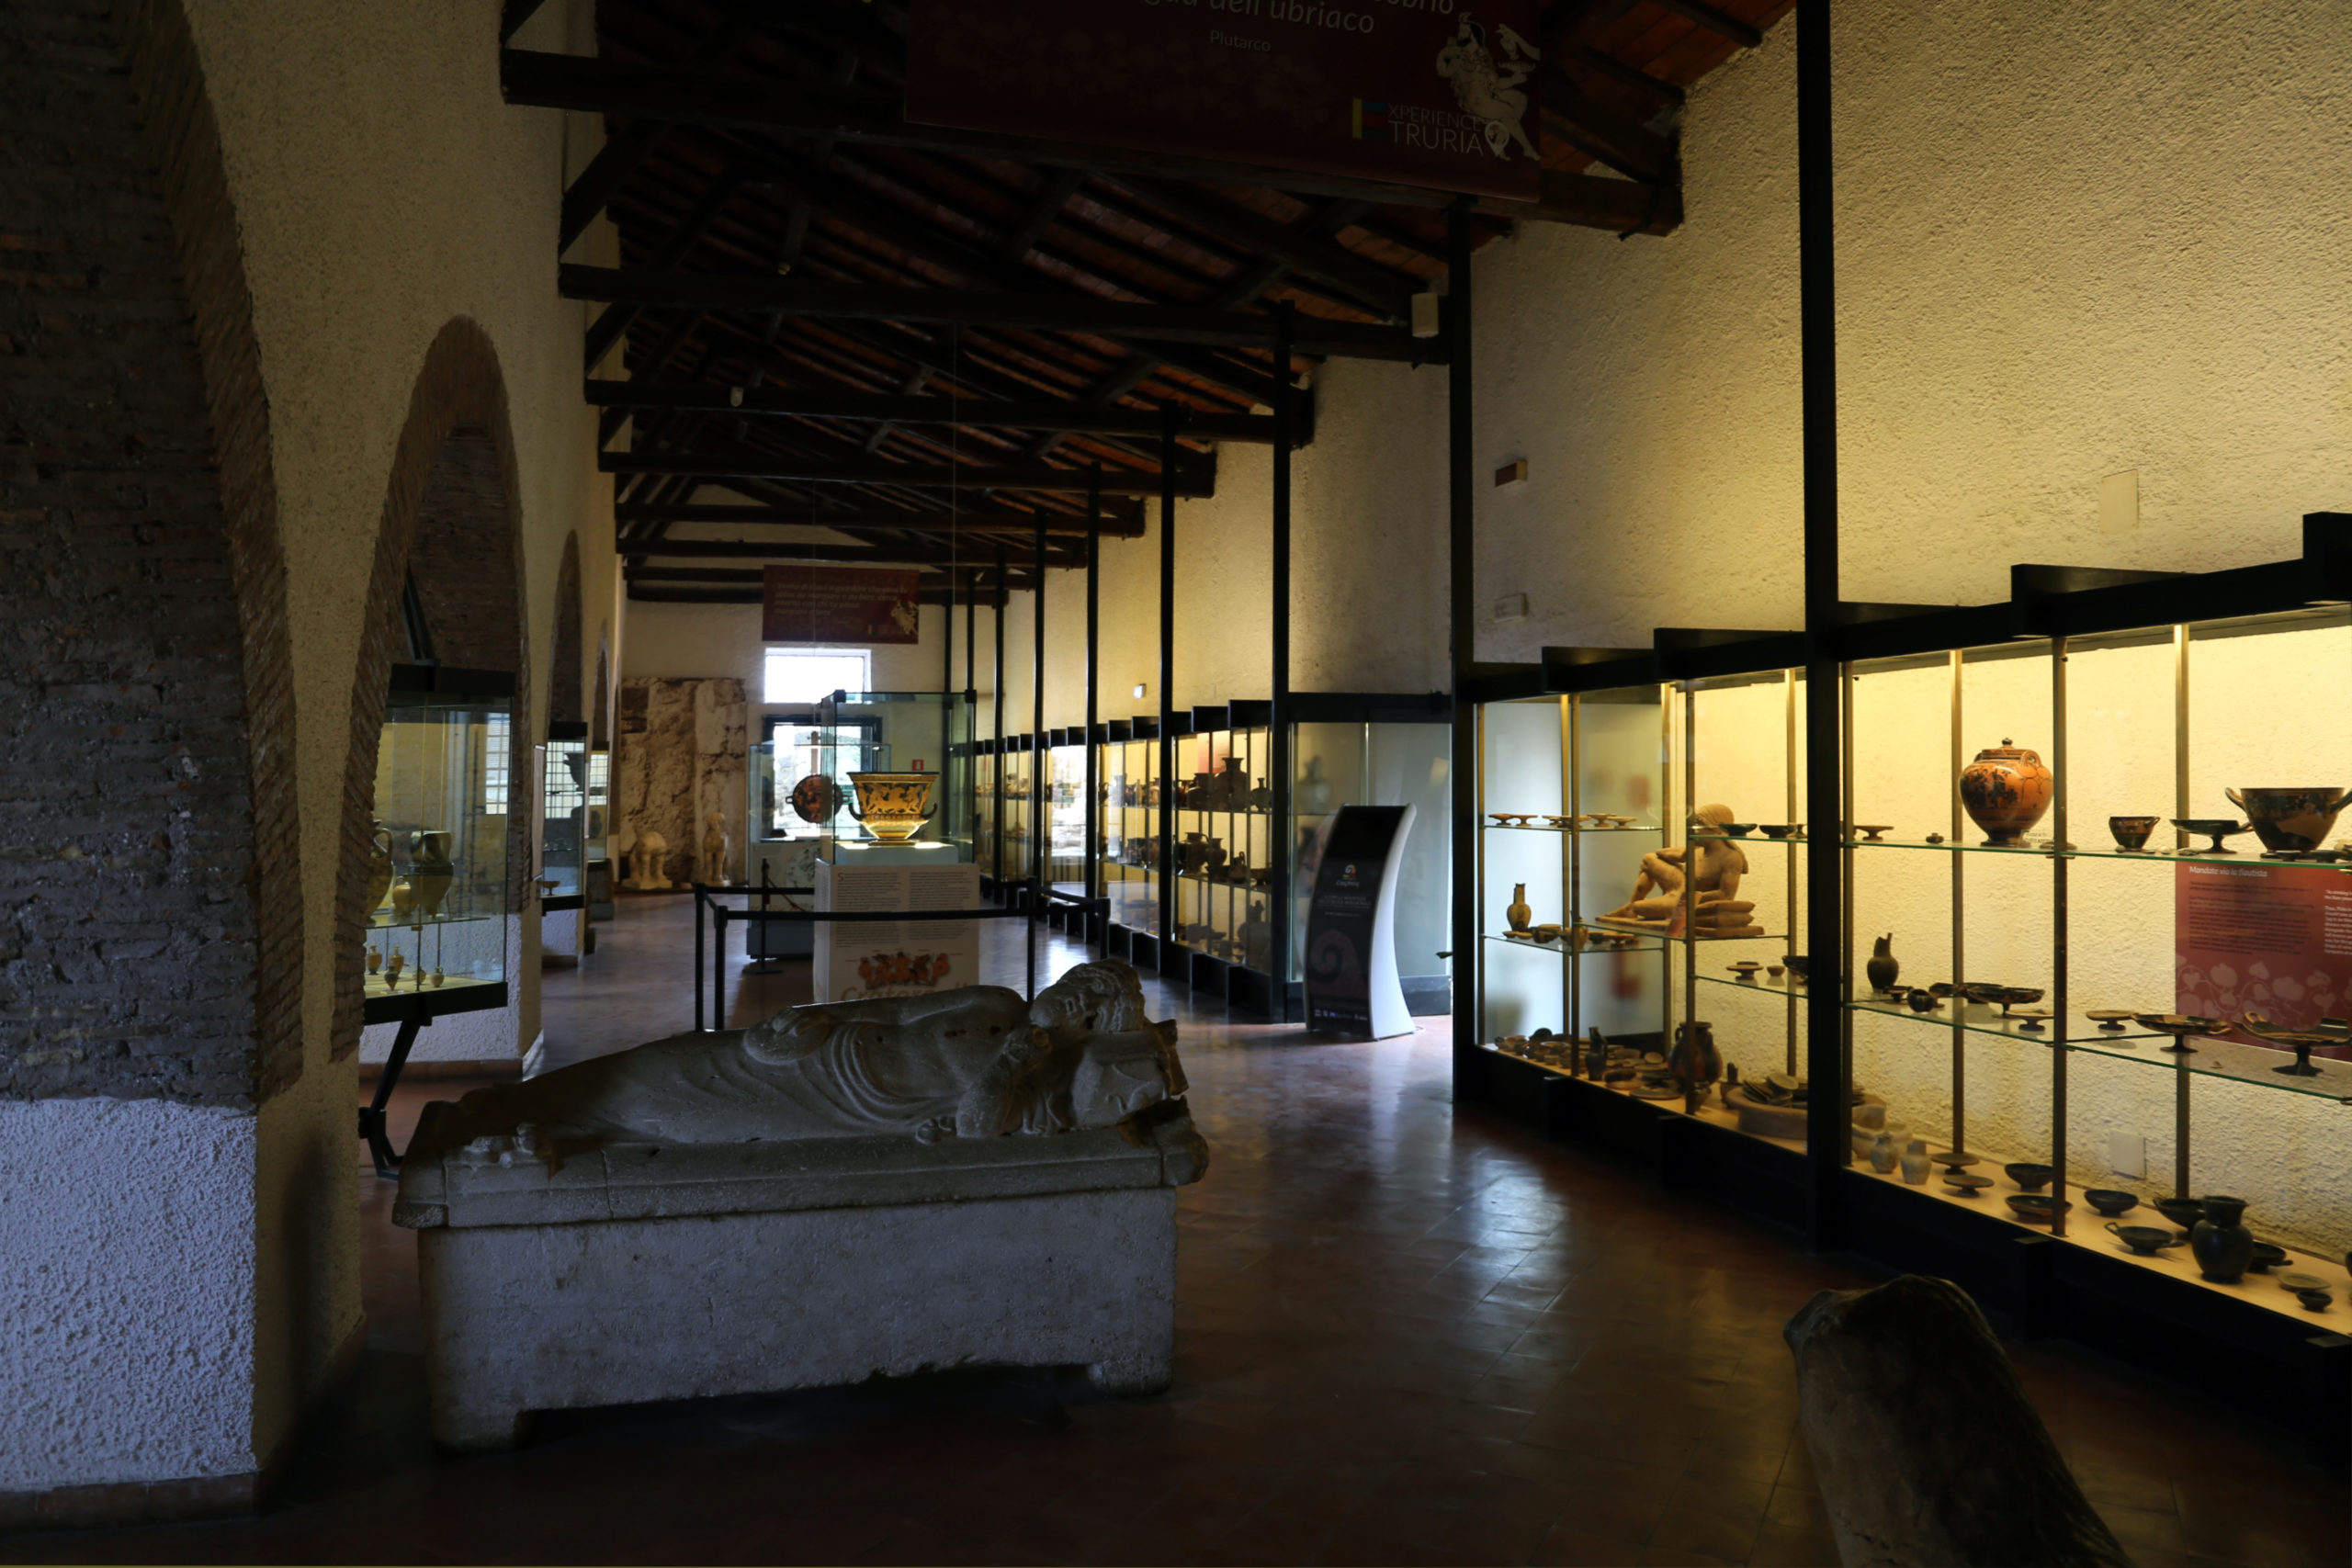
[{"x": 450, "y": 525}]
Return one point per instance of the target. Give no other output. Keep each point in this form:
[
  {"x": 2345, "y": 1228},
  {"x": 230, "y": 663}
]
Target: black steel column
[
  {"x": 1041, "y": 859},
  {"x": 1826, "y": 944},
  {"x": 1169, "y": 416},
  {"x": 996, "y": 854},
  {"x": 1097, "y": 928},
  {"x": 1461, "y": 563},
  {"x": 971, "y": 689},
  {"x": 1281, "y": 843}
]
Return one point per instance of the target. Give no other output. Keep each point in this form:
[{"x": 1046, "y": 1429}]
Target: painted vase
[
  {"x": 1883, "y": 965},
  {"x": 1694, "y": 1062},
  {"x": 2006, "y": 791},
  {"x": 893, "y": 806},
  {"x": 2221, "y": 1247},
  {"x": 379, "y": 865},
  {"x": 1916, "y": 1164},
  {"x": 1518, "y": 914},
  {"x": 430, "y": 869},
  {"x": 1883, "y": 1154}
]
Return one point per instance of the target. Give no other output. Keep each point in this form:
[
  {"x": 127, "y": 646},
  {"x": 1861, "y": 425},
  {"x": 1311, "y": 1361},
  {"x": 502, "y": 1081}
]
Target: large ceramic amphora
[
  {"x": 2291, "y": 821},
  {"x": 379, "y": 865},
  {"x": 2221, "y": 1246},
  {"x": 1694, "y": 1062},
  {"x": 2006, "y": 792},
  {"x": 430, "y": 870},
  {"x": 893, "y": 807}
]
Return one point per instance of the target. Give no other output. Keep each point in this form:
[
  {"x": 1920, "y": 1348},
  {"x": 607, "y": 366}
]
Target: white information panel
[{"x": 895, "y": 958}]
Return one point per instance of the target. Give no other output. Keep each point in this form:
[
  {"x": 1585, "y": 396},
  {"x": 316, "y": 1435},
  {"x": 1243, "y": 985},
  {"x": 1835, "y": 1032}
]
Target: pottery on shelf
[
  {"x": 893, "y": 806},
  {"x": 2006, "y": 791},
  {"x": 2213, "y": 828},
  {"x": 1746, "y": 969},
  {"x": 1920, "y": 1001},
  {"x": 379, "y": 865},
  {"x": 2295, "y": 820},
  {"x": 1916, "y": 1164},
  {"x": 2112, "y": 1020},
  {"x": 2131, "y": 832},
  {"x": 2110, "y": 1202},
  {"x": 2180, "y": 1026},
  {"x": 1518, "y": 913},
  {"x": 2145, "y": 1239},
  {"x": 1739, "y": 829},
  {"x": 430, "y": 869},
  {"x": 2301, "y": 1282},
  {"x": 2315, "y": 1300},
  {"x": 2182, "y": 1211},
  {"x": 1799, "y": 966},
  {"x": 1967, "y": 1186},
  {"x": 2035, "y": 1208},
  {"x": 2267, "y": 1257},
  {"x": 2221, "y": 1246},
  {"x": 1776, "y": 830},
  {"x": 1870, "y": 832},
  {"x": 1694, "y": 1062},
  {"x": 2031, "y": 1177},
  {"x": 1884, "y": 967}
]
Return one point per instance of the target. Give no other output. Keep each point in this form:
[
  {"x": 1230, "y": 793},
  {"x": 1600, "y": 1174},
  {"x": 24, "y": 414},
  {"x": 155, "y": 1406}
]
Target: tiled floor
[{"x": 1405, "y": 1334}]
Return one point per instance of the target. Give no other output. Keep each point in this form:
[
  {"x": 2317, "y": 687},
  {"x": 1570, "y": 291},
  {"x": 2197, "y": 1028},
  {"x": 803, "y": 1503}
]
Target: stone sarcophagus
[{"x": 850, "y": 1190}]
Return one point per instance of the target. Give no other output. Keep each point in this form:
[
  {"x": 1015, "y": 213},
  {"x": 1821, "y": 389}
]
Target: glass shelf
[
  {"x": 1602, "y": 928},
  {"x": 377, "y": 988},
  {"x": 1765, "y": 983},
  {"x": 1561, "y": 945},
  {"x": 1585, "y": 832},
  {"x": 1980, "y": 1018},
  {"x": 385, "y": 919},
  {"x": 2093, "y": 851},
  {"x": 2220, "y": 1057}
]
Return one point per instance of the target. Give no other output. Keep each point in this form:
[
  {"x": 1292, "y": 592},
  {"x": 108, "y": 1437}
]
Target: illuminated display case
[
  {"x": 1065, "y": 774},
  {"x": 1127, "y": 775},
  {"x": 442, "y": 862},
  {"x": 563, "y": 817},
  {"x": 928, "y": 732},
  {"x": 2093, "y": 891},
  {"x": 1224, "y": 848},
  {"x": 597, "y": 863}
]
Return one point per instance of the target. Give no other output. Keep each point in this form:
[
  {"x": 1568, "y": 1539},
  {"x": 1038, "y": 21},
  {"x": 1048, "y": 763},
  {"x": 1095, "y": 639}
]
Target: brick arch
[
  {"x": 451, "y": 520},
  {"x": 564, "y": 681},
  {"x": 149, "y": 857}
]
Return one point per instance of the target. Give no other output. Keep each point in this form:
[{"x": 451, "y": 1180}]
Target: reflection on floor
[{"x": 1405, "y": 1334}]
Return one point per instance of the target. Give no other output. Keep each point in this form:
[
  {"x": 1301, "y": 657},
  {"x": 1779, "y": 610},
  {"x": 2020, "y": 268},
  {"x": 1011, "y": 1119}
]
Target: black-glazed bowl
[
  {"x": 2146, "y": 1240},
  {"x": 2030, "y": 1177},
  {"x": 2035, "y": 1208},
  {"x": 1800, "y": 966},
  {"x": 2109, "y": 1201},
  {"x": 2267, "y": 1257},
  {"x": 2315, "y": 1300},
  {"x": 2182, "y": 1211}
]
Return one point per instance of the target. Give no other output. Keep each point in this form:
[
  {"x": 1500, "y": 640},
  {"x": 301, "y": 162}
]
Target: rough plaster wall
[
  {"x": 367, "y": 225},
  {"x": 2073, "y": 241},
  {"x": 127, "y": 1285}
]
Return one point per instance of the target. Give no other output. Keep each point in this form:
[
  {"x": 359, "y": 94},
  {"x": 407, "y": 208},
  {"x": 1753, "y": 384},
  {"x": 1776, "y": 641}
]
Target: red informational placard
[
  {"x": 838, "y": 605},
  {"x": 1418, "y": 91},
  {"x": 2273, "y": 939}
]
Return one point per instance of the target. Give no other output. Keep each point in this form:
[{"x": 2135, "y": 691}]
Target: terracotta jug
[
  {"x": 1518, "y": 914},
  {"x": 2006, "y": 791}
]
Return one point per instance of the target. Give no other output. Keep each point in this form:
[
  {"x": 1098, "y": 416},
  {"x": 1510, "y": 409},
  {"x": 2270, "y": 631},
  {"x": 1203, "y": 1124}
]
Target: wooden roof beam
[
  {"x": 1118, "y": 523},
  {"x": 1073, "y": 313},
  {"x": 1193, "y": 481},
  {"x": 538, "y": 79},
  {"x": 1033, "y": 414},
  {"x": 923, "y": 554}
]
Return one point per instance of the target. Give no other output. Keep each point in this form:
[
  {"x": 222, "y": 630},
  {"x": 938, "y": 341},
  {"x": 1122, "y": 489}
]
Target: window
[
  {"x": 812, "y": 674},
  {"x": 494, "y": 765}
]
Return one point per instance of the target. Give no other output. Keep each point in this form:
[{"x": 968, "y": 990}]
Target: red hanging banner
[
  {"x": 839, "y": 604},
  {"x": 1416, "y": 92}
]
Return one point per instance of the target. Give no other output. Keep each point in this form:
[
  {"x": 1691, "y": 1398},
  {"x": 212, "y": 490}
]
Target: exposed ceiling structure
[{"x": 896, "y": 344}]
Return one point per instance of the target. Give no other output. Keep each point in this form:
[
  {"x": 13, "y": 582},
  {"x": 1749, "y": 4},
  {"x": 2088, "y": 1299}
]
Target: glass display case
[
  {"x": 2093, "y": 952},
  {"x": 1129, "y": 775},
  {"x": 596, "y": 864},
  {"x": 986, "y": 770},
  {"x": 1065, "y": 778},
  {"x": 1373, "y": 750},
  {"x": 1225, "y": 840},
  {"x": 1015, "y": 761},
  {"x": 901, "y": 732},
  {"x": 563, "y": 817},
  {"x": 443, "y": 866}
]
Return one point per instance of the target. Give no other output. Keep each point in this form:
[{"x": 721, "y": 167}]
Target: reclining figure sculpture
[{"x": 974, "y": 1062}]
